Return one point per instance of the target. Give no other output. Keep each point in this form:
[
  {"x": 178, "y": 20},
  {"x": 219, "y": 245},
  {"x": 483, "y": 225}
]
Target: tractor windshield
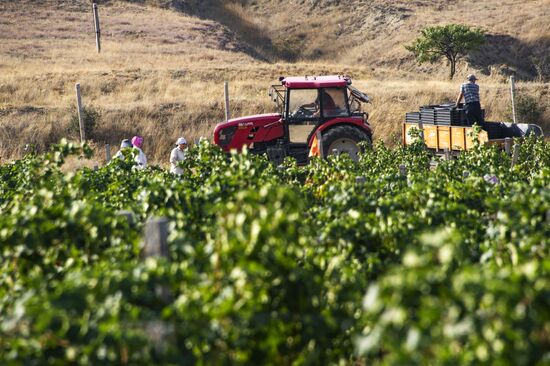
[
  {"x": 314, "y": 103},
  {"x": 303, "y": 104}
]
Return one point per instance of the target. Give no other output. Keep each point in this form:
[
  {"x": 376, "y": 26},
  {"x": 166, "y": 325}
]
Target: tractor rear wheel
[{"x": 344, "y": 140}]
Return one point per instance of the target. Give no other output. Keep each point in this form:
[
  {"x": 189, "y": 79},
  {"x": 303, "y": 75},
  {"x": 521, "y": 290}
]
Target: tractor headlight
[{"x": 226, "y": 134}]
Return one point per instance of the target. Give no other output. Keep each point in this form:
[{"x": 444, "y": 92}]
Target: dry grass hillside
[
  {"x": 373, "y": 32},
  {"x": 163, "y": 62}
]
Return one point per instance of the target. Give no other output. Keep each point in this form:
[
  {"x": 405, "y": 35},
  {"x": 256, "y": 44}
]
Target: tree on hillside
[{"x": 451, "y": 41}]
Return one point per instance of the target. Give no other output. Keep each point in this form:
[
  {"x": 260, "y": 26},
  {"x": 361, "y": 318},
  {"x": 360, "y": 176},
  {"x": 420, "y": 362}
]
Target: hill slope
[
  {"x": 163, "y": 62},
  {"x": 373, "y": 32}
]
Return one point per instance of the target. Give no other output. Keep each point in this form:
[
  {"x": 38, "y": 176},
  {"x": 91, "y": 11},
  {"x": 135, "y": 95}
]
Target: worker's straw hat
[
  {"x": 181, "y": 141},
  {"x": 471, "y": 77}
]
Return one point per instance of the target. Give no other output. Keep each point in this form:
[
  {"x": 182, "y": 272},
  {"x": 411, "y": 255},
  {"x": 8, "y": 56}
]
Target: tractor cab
[
  {"x": 307, "y": 103},
  {"x": 308, "y": 107}
]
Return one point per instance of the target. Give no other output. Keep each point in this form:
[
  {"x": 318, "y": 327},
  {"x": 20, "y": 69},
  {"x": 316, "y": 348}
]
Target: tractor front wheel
[{"x": 344, "y": 140}]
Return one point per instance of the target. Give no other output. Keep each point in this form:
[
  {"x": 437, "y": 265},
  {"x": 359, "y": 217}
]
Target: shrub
[
  {"x": 528, "y": 109},
  {"x": 90, "y": 117},
  {"x": 288, "y": 48}
]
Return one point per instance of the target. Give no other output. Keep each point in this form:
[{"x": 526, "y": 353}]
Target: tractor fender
[{"x": 355, "y": 122}]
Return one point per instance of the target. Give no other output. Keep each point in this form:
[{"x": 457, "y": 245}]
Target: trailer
[{"x": 459, "y": 138}]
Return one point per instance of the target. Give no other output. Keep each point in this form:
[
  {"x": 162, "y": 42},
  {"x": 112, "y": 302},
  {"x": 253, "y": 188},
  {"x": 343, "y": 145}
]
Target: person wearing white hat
[
  {"x": 125, "y": 144},
  {"x": 177, "y": 155},
  {"x": 470, "y": 92}
]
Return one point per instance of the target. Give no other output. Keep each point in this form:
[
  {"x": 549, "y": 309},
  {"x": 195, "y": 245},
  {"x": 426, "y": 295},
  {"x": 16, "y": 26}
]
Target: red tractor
[{"x": 309, "y": 107}]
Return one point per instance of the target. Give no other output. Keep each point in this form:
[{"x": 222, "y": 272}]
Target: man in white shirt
[{"x": 177, "y": 155}]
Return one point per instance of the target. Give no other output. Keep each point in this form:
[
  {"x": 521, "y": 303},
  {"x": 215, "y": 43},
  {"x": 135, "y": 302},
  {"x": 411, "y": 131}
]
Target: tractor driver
[
  {"x": 328, "y": 104},
  {"x": 313, "y": 109}
]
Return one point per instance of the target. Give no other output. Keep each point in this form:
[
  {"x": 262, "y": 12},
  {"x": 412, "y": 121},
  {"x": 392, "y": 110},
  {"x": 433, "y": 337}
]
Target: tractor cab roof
[{"x": 315, "y": 82}]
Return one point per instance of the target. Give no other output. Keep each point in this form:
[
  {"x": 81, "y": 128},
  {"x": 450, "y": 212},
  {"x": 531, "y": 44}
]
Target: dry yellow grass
[
  {"x": 160, "y": 73},
  {"x": 373, "y": 32}
]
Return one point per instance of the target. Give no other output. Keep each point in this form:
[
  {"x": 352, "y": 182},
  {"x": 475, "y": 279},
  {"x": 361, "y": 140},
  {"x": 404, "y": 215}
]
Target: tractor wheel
[{"x": 344, "y": 140}]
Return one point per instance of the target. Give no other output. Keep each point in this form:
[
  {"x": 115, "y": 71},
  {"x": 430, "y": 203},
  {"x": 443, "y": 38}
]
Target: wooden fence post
[
  {"x": 402, "y": 170},
  {"x": 97, "y": 30},
  {"x": 421, "y": 128},
  {"x": 320, "y": 144},
  {"x": 128, "y": 215},
  {"x": 226, "y": 97},
  {"x": 447, "y": 153},
  {"x": 156, "y": 245},
  {"x": 156, "y": 238},
  {"x": 80, "y": 117},
  {"x": 515, "y": 155},
  {"x": 107, "y": 153},
  {"x": 508, "y": 145},
  {"x": 513, "y": 96}
]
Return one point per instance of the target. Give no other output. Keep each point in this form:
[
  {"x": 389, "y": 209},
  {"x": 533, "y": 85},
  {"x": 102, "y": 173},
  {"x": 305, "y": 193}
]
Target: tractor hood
[
  {"x": 260, "y": 119},
  {"x": 237, "y": 132}
]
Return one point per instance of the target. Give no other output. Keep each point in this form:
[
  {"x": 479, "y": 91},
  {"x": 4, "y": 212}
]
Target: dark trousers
[{"x": 473, "y": 113}]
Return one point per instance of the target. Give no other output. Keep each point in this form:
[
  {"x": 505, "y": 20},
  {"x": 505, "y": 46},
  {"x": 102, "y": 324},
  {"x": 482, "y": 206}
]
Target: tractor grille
[{"x": 226, "y": 134}]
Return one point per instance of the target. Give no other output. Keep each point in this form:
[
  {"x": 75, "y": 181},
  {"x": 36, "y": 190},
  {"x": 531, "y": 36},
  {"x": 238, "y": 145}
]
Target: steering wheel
[{"x": 302, "y": 112}]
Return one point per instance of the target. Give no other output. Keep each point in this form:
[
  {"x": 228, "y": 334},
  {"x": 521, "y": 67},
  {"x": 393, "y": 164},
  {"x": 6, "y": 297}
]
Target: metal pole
[
  {"x": 226, "y": 94},
  {"x": 80, "y": 119},
  {"x": 97, "y": 30},
  {"x": 513, "y": 95}
]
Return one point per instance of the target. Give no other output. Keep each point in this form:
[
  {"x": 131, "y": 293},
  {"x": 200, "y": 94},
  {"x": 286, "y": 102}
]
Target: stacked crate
[
  {"x": 450, "y": 117},
  {"x": 427, "y": 115},
  {"x": 439, "y": 114},
  {"x": 412, "y": 117}
]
